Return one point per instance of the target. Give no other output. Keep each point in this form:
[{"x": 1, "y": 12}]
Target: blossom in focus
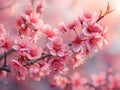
[
  {"x": 87, "y": 16},
  {"x": 47, "y": 30},
  {"x": 57, "y": 64},
  {"x": 77, "y": 42},
  {"x": 22, "y": 44},
  {"x": 34, "y": 52},
  {"x": 92, "y": 28},
  {"x": 95, "y": 42},
  {"x": 57, "y": 47}
]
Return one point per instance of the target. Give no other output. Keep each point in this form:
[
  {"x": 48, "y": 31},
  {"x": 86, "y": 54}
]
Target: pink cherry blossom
[
  {"x": 34, "y": 52},
  {"x": 87, "y": 16},
  {"x": 34, "y": 20},
  {"x": 114, "y": 81},
  {"x": 57, "y": 47},
  {"x": 18, "y": 71},
  {"x": 22, "y": 44},
  {"x": 34, "y": 72},
  {"x": 77, "y": 80},
  {"x": 92, "y": 28},
  {"x": 49, "y": 31},
  {"x": 44, "y": 68},
  {"x": 95, "y": 42},
  {"x": 40, "y": 6},
  {"x": 77, "y": 42},
  {"x": 63, "y": 27},
  {"x": 73, "y": 25},
  {"x": 22, "y": 26},
  {"x": 61, "y": 81},
  {"x": 78, "y": 60},
  {"x": 6, "y": 43},
  {"x": 57, "y": 64},
  {"x": 99, "y": 79},
  {"x": 29, "y": 22}
]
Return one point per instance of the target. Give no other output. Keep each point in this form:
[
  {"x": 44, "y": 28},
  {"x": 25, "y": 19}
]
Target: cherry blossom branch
[
  {"x": 91, "y": 85},
  {"x": 108, "y": 11},
  {"x": 7, "y": 53},
  {"x": 32, "y": 61},
  {"x": 4, "y": 55}
]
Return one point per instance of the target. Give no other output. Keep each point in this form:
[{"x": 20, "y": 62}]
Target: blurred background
[{"x": 66, "y": 11}]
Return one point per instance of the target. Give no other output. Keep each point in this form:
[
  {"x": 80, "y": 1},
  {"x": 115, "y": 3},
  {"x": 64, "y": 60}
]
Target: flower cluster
[
  {"x": 29, "y": 59},
  {"x": 100, "y": 81}
]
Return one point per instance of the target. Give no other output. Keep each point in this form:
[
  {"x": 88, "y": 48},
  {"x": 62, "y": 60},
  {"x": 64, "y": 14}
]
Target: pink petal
[
  {"x": 53, "y": 52},
  {"x": 76, "y": 47},
  {"x": 50, "y": 45},
  {"x": 60, "y": 53}
]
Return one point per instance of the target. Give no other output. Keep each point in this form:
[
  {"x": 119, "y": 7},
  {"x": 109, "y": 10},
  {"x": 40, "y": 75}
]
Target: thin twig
[{"x": 32, "y": 61}]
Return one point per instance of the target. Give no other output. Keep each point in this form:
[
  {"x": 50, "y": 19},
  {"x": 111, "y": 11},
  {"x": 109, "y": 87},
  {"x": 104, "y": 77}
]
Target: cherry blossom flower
[
  {"x": 40, "y": 6},
  {"x": 87, "y": 16},
  {"x": 29, "y": 23},
  {"x": 78, "y": 81},
  {"x": 92, "y": 28},
  {"x": 57, "y": 47},
  {"x": 73, "y": 25},
  {"x": 44, "y": 70},
  {"x": 34, "y": 20},
  {"x": 51, "y": 34},
  {"x": 114, "y": 81},
  {"x": 95, "y": 42},
  {"x": 61, "y": 81},
  {"x": 22, "y": 44},
  {"x": 77, "y": 42},
  {"x": 18, "y": 70},
  {"x": 34, "y": 52},
  {"x": 34, "y": 72},
  {"x": 63, "y": 27},
  {"x": 6, "y": 43},
  {"x": 57, "y": 64},
  {"x": 78, "y": 60},
  {"x": 22, "y": 26},
  {"x": 99, "y": 79}
]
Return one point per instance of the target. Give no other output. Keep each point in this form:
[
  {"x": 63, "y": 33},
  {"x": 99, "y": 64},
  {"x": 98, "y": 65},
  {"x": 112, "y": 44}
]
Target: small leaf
[{"x": 108, "y": 10}]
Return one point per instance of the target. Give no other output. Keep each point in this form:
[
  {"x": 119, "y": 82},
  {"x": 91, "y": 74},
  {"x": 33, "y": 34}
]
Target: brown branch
[
  {"x": 91, "y": 85},
  {"x": 5, "y": 68},
  {"x": 32, "y": 61},
  {"x": 7, "y": 53}
]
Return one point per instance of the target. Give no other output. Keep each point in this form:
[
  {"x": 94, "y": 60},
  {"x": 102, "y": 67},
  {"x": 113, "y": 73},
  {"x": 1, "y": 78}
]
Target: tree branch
[
  {"x": 32, "y": 61},
  {"x": 7, "y": 53}
]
